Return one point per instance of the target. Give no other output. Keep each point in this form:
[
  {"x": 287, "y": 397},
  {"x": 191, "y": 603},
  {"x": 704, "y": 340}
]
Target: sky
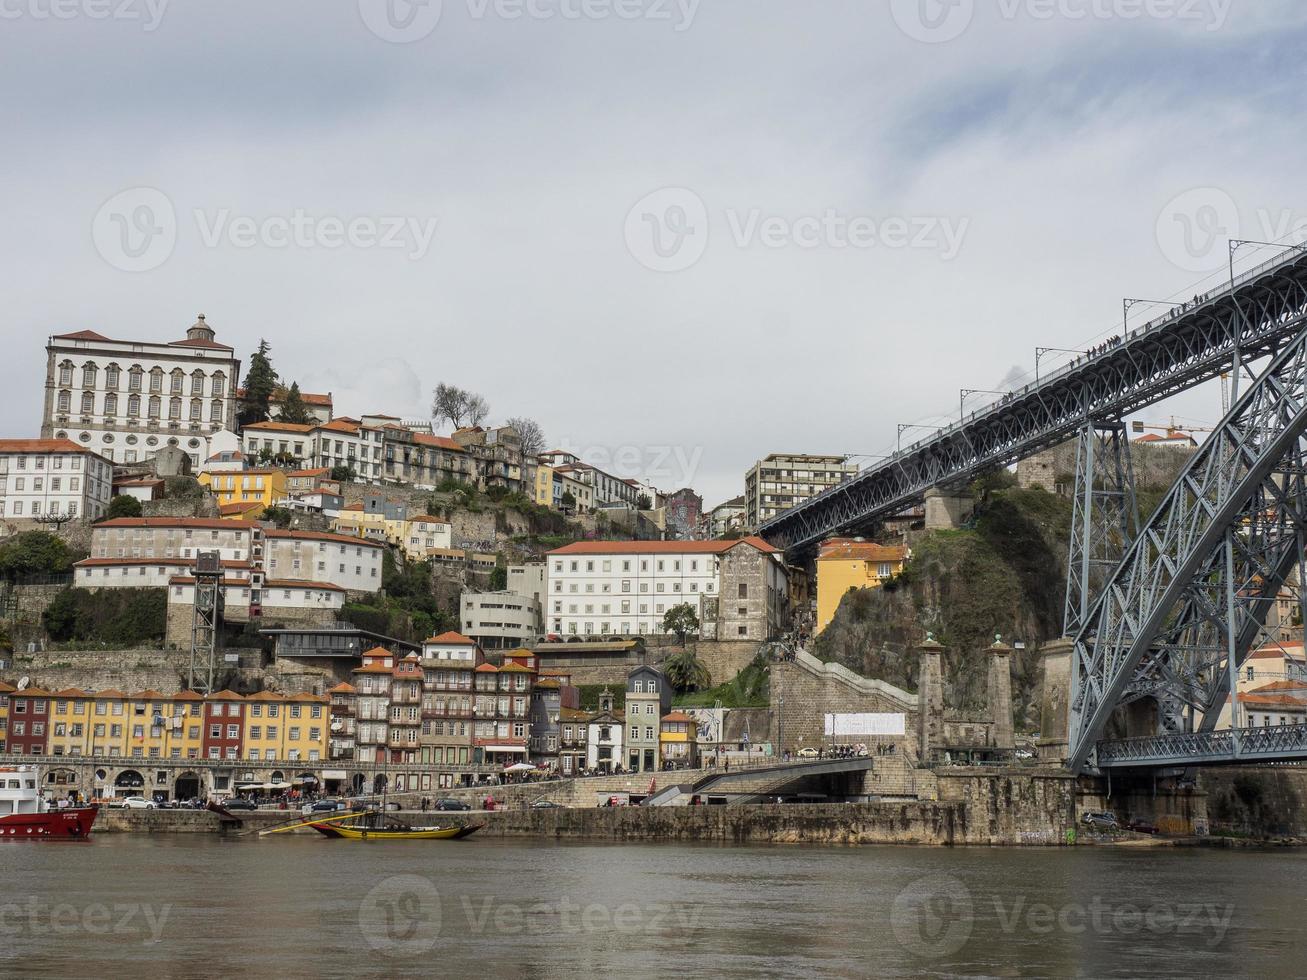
[{"x": 680, "y": 234}]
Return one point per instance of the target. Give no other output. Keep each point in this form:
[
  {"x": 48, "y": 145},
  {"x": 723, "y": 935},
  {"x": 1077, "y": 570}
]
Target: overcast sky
[{"x": 691, "y": 234}]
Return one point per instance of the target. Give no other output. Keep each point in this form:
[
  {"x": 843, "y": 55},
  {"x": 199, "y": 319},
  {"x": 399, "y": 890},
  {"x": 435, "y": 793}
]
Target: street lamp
[
  {"x": 903, "y": 427},
  {"x": 964, "y": 392},
  {"x": 1127, "y": 303},
  {"x": 1041, "y": 351}
]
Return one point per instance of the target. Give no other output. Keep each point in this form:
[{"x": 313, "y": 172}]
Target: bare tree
[
  {"x": 531, "y": 434},
  {"x": 458, "y": 406}
]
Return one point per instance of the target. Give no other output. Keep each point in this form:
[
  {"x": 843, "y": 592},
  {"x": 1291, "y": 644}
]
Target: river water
[{"x": 137, "y": 906}]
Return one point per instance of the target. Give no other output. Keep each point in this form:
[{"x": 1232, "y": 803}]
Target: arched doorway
[
  {"x": 277, "y": 776},
  {"x": 129, "y": 782},
  {"x": 187, "y": 786},
  {"x": 358, "y": 782},
  {"x": 379, "y": 783}
]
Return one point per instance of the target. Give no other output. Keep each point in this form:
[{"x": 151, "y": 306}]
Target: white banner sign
[{"x": 865, "y": 724}]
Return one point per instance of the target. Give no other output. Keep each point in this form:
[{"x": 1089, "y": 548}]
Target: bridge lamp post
[
  {"x": 962, "y": 398},
  {"x": 903, "y": 427},
  {"x": 1127, "y": 303},
  {"x": 1041, "y": 351}
]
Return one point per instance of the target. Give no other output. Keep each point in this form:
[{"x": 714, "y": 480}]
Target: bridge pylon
[{"x": 1105, "y": 516}]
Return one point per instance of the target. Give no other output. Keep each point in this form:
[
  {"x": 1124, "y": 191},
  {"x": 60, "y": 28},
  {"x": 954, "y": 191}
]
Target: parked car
[
  {"x": 236, "y": 803},
  {"x": 1099, "y": 820},
  {"x": 322, "y": 806},
  {"x": 449, "y": 804},
  {"x": 138, "y": 803},
  {"x": 547, "y": 805},
  {"x": 1141, "y": 827},
  {"x": 808, "y": 753}
]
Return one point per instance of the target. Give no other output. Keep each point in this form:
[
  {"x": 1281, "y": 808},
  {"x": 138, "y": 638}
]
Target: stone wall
[
  {"x": 1257, "y": 801},
  {"x": 812, "y": 689},
  {"x": 33, "y": 600},
  {"x": 979, "y": 820},
  {"x": 130, "y": 670},
  {"x": 181, "y": 619}
]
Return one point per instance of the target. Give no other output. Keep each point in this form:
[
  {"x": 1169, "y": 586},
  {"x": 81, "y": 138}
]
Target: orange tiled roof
[
  {"x": 344, "y": 687},
  {"x": 677, "y": 716},
  {"x": 451, "y": 638},
  {"x": 321, "y": 536},
  {"x": 276, "y": 426},
  {"x": 226, "y": 695},
  {"x": 376, "y": 667},
  {"x": 848, "y": 549},
  {"x": 83, "y": 335},
  {"x": 195, "y": 523},
  {"x": 42, "y": 446},
  {"x": 487, "y": 669},
  {"x": 662, "y": 547}
]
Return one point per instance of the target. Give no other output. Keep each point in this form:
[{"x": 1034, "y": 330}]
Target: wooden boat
[
  {"x": 374, "y": 825},
  {"x": 381, "y": 827}
]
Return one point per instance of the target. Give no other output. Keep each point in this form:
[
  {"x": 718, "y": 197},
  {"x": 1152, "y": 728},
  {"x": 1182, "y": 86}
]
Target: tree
[
  {"x": 123, "y": 506},
  {"x": 280, "y": 516},
  {"x": 342, "y": 473},
  {"x": 531, "y": 434},
  {"x": 458, "y": 406},
  {"x": 34, "y": 553},
  {"x": 498, "y": 579},
  {"x": 686, "y": 671},
  {"x": 260, "y": 384},
  {"x": 293, "y": 408},
  {"x": 567, "y": 500},
  {"x": 682, "y": 620},
  {"x": 643, "y": 502}
]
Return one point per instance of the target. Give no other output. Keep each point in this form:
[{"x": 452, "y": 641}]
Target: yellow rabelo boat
[{"x": 373, "y": 825}]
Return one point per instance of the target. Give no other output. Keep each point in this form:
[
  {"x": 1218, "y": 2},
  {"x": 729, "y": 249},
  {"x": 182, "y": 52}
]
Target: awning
[
  {"x": 505, "y": 748},
  {"x": 520, "y": 767},
  {"x": 333, "y": 774}
]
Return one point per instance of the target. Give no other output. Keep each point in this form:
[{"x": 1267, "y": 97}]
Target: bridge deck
[
  {"x": 1278, "y": 743},
  {"x": 1260, "y": 310}
]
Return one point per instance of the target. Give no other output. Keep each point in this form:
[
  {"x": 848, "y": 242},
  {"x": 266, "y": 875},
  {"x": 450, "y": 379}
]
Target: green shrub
[{"x": 118, "y": 617}]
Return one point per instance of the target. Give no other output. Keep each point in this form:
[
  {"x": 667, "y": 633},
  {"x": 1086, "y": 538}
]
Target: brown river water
[{"x": 198, "y": 906}]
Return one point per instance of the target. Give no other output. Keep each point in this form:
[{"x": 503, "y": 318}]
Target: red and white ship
[{"x": 25, "y": 815}]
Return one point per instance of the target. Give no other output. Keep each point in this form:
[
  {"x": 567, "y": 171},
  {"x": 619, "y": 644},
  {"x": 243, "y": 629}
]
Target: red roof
[
  {"x": 207, "y": 523},
  {"x": 43, "y": 446},
  {"x": 293, "y": 583},
  {"x": 848, "y": 549},
  {"x": 199, "y": 342},
  {"x": 451, "y": 638},
  {"x": 83, "y": 335},
  {"x": 321, "y": 536},
  {"x": 275, "y": 426},
  {"x": 662, "y": 547}
]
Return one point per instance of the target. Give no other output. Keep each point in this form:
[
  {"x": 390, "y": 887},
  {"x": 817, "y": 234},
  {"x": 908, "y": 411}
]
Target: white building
[
  {"x": 126, "y": 399},
  {"x": 500, "y": 620},
  {"x": 135, "y": 552},
  {"x": 340, "y": 442},
  {"x": 320, "y": 556},
  {"x": 52, "y": 478},
  {"x": 601, "y": 588},
  {"x": 606, "y": 488}
]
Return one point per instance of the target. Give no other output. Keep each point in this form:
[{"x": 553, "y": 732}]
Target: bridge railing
[{"x": 1274, "y": 742}]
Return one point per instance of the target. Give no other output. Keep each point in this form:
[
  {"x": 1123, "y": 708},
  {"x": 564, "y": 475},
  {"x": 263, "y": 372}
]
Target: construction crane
[{"x": 1173, "y": 427}]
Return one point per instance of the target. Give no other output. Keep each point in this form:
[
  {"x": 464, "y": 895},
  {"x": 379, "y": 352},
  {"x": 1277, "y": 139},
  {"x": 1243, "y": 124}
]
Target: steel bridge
[
  {"x": 1162, "y": 613},
  {"x": 1255, "y": 314}
]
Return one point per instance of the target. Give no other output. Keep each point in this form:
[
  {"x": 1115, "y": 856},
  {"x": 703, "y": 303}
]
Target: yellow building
[
  {"x": 358, "y": 523},
  {"x": 678, "y": 741},
  {"x": 844, "y": 564},
  {"x": 554, "y": 481},
  {"x": 245, "y": 486},
  {"x": 143, "y": 725},
  {"x": 286, "y": 728}
]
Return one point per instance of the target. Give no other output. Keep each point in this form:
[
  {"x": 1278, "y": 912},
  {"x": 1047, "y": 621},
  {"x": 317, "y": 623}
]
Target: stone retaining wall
[{"x": 930, "y": 822}]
